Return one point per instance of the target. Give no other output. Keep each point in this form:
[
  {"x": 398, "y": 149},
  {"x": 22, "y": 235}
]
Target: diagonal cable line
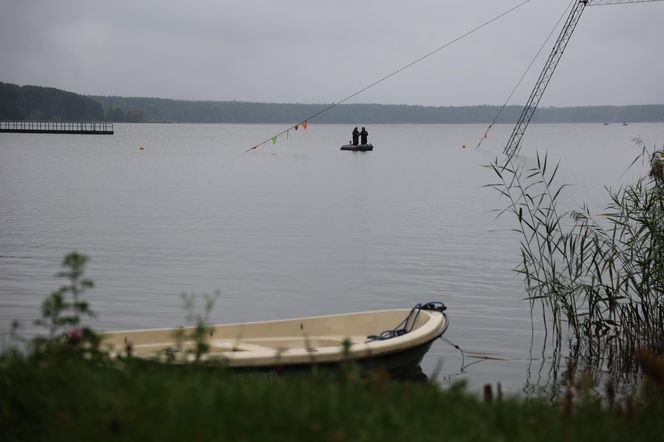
[{"x": 401, "y": 69}]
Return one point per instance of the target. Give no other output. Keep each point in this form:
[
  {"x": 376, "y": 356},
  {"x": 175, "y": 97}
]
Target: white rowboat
[{"x": 407, "y": 335}]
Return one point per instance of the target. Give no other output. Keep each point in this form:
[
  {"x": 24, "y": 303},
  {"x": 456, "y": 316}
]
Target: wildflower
[{"x": 74, "y": 336}]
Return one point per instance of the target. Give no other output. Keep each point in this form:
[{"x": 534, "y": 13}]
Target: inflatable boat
[{"x": 357, "y": 147}]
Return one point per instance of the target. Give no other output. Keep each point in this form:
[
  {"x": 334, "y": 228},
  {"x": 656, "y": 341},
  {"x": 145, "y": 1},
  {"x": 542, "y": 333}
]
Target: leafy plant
[{"x": 64, "y": 310}]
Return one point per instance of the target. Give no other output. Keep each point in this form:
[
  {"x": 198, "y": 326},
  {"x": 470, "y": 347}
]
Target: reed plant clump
[{"x": 599, "y": 279}]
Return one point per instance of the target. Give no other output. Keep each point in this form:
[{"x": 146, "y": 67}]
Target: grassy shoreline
[{"x": 58, "y": 395}]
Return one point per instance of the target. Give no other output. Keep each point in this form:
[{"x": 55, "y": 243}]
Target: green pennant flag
[{"x": 274, "y": 139}]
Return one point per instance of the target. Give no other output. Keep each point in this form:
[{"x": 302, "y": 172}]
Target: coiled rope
[{"x": 406, "y": 326}]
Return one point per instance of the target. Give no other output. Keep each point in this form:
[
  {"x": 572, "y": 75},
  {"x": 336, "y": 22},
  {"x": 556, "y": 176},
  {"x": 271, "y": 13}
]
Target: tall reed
[{"x": 600, "y": 280}]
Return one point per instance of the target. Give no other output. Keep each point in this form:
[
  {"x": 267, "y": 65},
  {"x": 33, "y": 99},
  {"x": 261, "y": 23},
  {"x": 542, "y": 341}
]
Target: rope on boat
[
  {"x": 406, "y": 326},
  {"x": 304, "y": 122}
]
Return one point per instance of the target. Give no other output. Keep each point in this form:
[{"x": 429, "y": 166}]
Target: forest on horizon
[{"x": 51, "y": 104}]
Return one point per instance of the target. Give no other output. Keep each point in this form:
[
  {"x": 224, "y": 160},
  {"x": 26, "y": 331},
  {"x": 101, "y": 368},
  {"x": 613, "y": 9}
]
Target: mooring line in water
[
  {"x": 463, "y": 357},
  {"x": 502, "y": 108},
  {"x": 480, "y": 356},
  {"x": 403, "y": 68}
]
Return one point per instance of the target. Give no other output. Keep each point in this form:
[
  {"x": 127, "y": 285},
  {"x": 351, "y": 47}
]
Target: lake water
[{"x": 296, "y": 228}]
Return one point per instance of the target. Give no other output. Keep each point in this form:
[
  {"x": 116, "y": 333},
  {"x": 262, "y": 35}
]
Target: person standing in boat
[
  {"x": 356, "y": 136},
  {"x": 364, "y": 134}
]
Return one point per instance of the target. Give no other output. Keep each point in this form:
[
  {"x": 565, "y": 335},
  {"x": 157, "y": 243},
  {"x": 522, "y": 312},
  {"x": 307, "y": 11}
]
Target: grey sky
[{"x": 321, "y": 51}]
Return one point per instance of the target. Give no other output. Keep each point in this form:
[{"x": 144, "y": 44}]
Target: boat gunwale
[{"x": 434, "y": 326}]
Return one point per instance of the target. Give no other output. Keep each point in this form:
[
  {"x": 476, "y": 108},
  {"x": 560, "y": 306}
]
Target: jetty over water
[{"x": 57, "y": 127}]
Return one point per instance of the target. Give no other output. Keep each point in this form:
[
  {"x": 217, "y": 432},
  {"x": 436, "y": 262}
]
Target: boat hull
[
  {"x": 403, "y": 364},
  {"x": 295, "y": 344},
  {"x": 357, "y": 147}
]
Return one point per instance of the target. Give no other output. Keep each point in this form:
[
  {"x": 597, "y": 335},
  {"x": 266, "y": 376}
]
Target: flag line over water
[{"x": 304, "y": 123}]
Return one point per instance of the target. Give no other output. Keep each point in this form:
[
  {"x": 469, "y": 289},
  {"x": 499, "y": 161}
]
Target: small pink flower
[{"x": 74, "y": 335}]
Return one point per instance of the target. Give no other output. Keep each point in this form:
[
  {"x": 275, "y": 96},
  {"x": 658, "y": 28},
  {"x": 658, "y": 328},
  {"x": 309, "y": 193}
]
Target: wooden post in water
[{"x": 488, "y": 393}]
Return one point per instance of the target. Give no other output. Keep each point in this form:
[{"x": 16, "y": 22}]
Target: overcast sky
[{"x": 315, "y": 51}]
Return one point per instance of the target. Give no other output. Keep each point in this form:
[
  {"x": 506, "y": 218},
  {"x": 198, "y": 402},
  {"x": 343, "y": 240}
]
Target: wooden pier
[{"x": 57, "y": 127}]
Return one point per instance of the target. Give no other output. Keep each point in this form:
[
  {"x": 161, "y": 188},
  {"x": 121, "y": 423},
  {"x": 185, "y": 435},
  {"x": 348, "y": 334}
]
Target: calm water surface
[{"x": 297, "y": 228}]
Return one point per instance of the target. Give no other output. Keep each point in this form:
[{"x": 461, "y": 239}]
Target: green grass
[{"x": 60, "y": 396}]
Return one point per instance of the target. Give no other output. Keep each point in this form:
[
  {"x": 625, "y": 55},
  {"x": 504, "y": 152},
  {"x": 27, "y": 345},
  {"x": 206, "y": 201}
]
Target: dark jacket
[
  {"x": 356, "y": 136},
  {"x": 364, "y": 134}
]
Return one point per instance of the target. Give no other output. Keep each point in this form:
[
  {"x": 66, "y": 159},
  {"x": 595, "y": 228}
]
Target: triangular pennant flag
[
  {"x": 304, "y": 124},
  {"x": 274, "y": 139},
  {"x": 296, "y": 126}
]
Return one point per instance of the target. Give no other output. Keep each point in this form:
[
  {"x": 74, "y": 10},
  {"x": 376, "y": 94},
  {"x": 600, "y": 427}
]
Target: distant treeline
[
  {"x": 45, "y": 103},
  {"x": 165, "y": 110},
  {"x": 38, "y": 103}
]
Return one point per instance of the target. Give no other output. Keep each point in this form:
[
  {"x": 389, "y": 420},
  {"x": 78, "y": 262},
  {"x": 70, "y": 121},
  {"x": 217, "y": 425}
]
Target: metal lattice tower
[{"x": 514, "y": 141}]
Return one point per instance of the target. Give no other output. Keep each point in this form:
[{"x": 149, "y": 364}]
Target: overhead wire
[
  {"x": 390, "y": 75},
  {"x": 502, "y": 108}
]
